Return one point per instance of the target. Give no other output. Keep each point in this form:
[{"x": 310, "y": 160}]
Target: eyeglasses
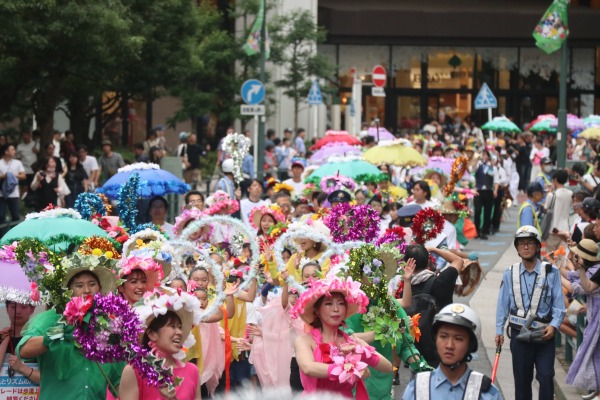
[
  {"x": 192, "y": 202},
  {"x": 528, "y": 243},
  {"x": 286, "y": 205}
]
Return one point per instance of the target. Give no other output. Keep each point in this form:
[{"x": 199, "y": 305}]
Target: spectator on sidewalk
[
  {"x": 299, "y": 145},
  {"x": 530, "y": 209},
  {"x": 110, "y": 162},
  {"x": 27, "y": 152},
  {"x": 138, "y": 153},
  {"x": 11, "y": 172},
  {"x": 560, "y": 201},
  {"x": 90, "y": 165},
  {"x": 284, "y": 155},
  {"x": 191, "y": 160},
  {"x": 530, "y": 289}
]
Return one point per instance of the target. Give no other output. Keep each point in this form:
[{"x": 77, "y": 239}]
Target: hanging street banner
[
  {"x": 553, "y": 28},
  {"x": 252, "y": 45}
]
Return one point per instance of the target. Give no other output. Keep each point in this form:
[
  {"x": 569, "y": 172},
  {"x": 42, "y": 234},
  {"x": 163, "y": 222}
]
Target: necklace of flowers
[
  {"x": 237, "y": 225},
  {"x": 351, "y": 223},
  {"x": 427, "y": 224}
]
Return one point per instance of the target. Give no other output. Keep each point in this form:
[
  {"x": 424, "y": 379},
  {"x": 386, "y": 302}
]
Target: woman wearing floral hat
[
  {"x": 329, "y": 359},
  {"x": 169, "y": 319},
  {"x": 309, "y": 247},
  {"x": 65, "y": 373},
  {"x": 140, "y": 275}
]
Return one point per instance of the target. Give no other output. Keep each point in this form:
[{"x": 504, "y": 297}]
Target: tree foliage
[{"x": 294, "y": 39}]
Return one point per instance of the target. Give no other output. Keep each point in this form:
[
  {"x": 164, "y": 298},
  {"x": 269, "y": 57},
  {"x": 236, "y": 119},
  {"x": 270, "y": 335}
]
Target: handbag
[{"x": 547, "y": 220}]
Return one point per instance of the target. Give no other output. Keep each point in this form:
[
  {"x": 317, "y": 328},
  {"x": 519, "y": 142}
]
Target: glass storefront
[{"x": 426, "y": 83}]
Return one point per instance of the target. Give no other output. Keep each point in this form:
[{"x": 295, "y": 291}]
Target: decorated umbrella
[
  {"x": 539, "y": 118},
  {"x": 550, "y": 124},
  {"x": 57, "y": 227},
  {"x": 380, "y": 133},
  {"x": 591, "y": 133},
  {"x": 14, "y": 285},
  {"x": 441, "y": 164},
  {"x": 545, "y": 125},
  {"x": 501, "y": 124},
  {"x": 591, "y": 121},
  {"x": 395, "y": 153},
  {"x": 322, "y": 155},
  {"x": 153, "y": 181},
  {"x": 359, "y": 170},
  {"x": 336, "y": 136}
]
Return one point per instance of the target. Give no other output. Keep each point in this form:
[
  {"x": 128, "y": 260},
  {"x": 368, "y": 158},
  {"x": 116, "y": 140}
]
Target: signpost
[
  {"x": 379, "y": 79},
  {"x": 486, "y": 99},
  {"x": 253, "y": 93},
  {"x": 315, "y": 99}
]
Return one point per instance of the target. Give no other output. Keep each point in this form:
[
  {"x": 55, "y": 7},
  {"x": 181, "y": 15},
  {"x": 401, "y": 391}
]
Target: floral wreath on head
[
  {"x": 351, "y": 223},
  {"x": 220, "y": 201},
  {"x": 272, "y": 209},
  {"x": 185, "y": 216},
  {"x": 427, "y": 224},
  {"x": 151, "y": 243},
  {"x": 146, "y": 264},
  {"x": 283, "y": 186}
]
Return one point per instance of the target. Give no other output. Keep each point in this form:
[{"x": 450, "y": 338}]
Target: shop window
[
  {"x": 409, "y": 113},
  {"x": 450, "y": 69},
  {"x": 406, "y": 67}
]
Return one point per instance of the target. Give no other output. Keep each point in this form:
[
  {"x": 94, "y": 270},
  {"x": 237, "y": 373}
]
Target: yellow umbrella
[
  {"x": 591, "y": 133},
  {"x": 394, "y": 153}
]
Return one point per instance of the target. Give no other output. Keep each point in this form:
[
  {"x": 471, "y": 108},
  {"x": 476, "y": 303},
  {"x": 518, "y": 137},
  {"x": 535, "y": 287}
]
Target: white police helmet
[
  {"x": 461, "y": 315},
  {"x": 528, "y": 231},
  {"x": 227, "y": 166}
]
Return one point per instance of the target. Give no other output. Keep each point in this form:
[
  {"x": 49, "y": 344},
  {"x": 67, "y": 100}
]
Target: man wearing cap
[
  {"x": 531, "y": 299},
  {"x": 298, "y": 164},
  {"x": 544, "y": 178},
  {"x": 109, "y": 162},
  {"x": 528, "y": 213},
  {"x": 339, "y": 196}
]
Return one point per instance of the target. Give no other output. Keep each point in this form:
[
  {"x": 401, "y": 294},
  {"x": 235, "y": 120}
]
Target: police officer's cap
[
  {"x": 461, "y": 315},
  {"x": 406, "y": 214},
  {"x": 534, "y": 187},
  {"x": 339, "y": 196}
]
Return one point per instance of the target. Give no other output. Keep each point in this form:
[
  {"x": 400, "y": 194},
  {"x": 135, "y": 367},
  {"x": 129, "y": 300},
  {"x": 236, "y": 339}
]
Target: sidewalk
[{"x": 484, "y": 303}]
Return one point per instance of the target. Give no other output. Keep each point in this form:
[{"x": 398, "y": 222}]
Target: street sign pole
[
  {"x": 260, "y": 172},
  {"x": 561, "y": 135}
]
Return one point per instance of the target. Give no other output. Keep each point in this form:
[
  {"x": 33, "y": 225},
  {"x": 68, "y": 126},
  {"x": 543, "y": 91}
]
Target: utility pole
[
  {"x": 561, "y": 136},
  {"x": 260, "y": 173}
]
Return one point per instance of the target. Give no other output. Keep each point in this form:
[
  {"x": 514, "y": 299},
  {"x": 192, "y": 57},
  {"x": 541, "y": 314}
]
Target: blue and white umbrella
[{"x": 153, "y": 181}]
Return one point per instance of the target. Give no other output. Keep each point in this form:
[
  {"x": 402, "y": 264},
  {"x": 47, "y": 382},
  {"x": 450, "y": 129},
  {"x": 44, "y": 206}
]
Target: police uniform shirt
[
  {"x": 441, "y": 388},
  {"x": 551, "y": 302}
]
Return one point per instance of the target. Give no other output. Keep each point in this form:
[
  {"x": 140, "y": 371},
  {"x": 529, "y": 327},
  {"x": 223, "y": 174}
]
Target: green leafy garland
[
  {"x": 44, "y": 267},
  {"x": 365, "y": 265}
]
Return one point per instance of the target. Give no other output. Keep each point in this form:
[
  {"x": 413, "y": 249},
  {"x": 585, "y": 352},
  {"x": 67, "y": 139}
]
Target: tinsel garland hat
[
  {"x": 101, "y": 266},
  {"x": 356, "y": 299},
  {"x": 185, "y": 305},
  {"x": 310, "y": 226},
  {"x": 258, "y": 213},
  {"x": 220, "y": 201}
]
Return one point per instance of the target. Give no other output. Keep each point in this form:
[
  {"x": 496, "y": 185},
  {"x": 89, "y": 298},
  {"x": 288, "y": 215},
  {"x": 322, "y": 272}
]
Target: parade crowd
[{"x": 337, "y": 283}]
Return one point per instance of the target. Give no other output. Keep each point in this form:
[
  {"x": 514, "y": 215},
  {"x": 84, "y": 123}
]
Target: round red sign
[{"x": 379, "y": 76}]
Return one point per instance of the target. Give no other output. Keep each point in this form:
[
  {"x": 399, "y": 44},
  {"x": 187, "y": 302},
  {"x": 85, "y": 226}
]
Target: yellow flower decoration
[{"x": 97, "y": 252}]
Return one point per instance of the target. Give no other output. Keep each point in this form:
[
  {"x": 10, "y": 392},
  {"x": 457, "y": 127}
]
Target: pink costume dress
[
  {"x": 185, "y": 391},
  {"x": 312, "y": 384},
  {"x": 213, "y": 355},
  {"x": 272, "y": 352}
]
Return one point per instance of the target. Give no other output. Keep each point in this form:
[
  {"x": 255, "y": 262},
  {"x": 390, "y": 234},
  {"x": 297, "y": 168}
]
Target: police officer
[
  {"x": 456, "y": 329},
  {"x": 531, "y": 300}
]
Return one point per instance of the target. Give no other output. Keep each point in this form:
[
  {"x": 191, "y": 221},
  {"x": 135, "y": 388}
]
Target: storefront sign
[{"x": 18, "y": 387}]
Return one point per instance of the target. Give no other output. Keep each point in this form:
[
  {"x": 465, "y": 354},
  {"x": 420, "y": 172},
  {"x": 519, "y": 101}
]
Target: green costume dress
[
  {"x": 379, "y": 384},
  {"x": 65, "y": 373}
]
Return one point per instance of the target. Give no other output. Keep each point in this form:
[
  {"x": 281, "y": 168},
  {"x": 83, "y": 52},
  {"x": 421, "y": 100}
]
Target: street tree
[{"x": 294, "y": 38}]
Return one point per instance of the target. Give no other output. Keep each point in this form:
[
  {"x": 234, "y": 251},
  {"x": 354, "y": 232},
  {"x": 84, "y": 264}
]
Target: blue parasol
[{"x": 153, "y": 181}]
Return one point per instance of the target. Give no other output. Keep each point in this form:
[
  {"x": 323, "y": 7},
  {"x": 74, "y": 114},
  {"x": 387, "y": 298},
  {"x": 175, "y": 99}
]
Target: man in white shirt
[
  {"x": 255, "y": 191},
  {"x": 56, "y": 143},
  {"x": 295, "y": 181},
  {"x": 560, "y": 201},
  {"x": 90, "y": 165},
  {"x": 299, "y": 144},
  {"x": 9, "y": 165},
  {"x": 27, "y": 152}
]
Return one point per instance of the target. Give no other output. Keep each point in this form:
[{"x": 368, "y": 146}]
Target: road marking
[
  {"x": 495, "y": 243},
  {"x": 504, "y": 234},
  {"x": 485, "y": 264},
  {"x": 487, "y": 253}
]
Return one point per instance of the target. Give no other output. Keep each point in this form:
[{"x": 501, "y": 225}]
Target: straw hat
[
  {"x": 586, "y": 249},
  {"x": 101, "y": 267},
  {"x": 153, "y": 244},
  {"x": 356, "y": 299},
  {"x": 448, "y": 207}
]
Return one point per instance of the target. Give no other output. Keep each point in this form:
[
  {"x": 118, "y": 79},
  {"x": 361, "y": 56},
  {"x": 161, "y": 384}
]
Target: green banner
[
  {"x": 553, "y": 28},
  {"x": 252, "y": 45}
]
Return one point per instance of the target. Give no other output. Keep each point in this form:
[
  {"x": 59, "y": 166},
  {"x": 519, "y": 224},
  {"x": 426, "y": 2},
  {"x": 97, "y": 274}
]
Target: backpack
[{"x": 425, "y": 304}]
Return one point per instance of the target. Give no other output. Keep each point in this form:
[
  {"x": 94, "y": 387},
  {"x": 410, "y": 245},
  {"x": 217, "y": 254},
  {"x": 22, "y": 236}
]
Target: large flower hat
[
  {"x": 185, "y": 305},
  {"x": 356, "y": 299},
  {"x": 150, "y": 243},
  {"x": 258, "y": 212},
  {"x": 220, "y": 201},
  {"x": 100, "y": 266},
  {"x": 186, "y": 216},
  {"x": 152, "y": 269}
]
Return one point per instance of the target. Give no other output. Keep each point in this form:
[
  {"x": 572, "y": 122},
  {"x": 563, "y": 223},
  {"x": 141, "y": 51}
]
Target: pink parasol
[
  {"x": 14, "y": 285},
  {"x": 440, "y": 164},
  {"x": 336, "y": 136},
  {"x": 381, "y": 134},
  {"x": 322, "y": 155}
]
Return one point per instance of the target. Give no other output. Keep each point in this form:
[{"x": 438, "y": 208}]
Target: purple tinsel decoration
[
  {"x": 112, "y": 335},
  {"x": 353, "y": 223}
]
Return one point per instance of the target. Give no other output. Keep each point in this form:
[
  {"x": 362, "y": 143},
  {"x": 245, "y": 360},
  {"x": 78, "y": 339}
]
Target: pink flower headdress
[
  {"x": 186, "y": 215},
  {"x": 152, "y": 269},
  {"x": 258, "y": 212},
  {"x": 220, "y": 201},
  {"x": 356, "y": 299}
]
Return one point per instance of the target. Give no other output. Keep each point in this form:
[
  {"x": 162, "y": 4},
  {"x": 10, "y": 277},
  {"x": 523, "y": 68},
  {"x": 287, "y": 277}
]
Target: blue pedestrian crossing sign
[
  {"x": 314, "y": 95},
  {"x": 253, "y": 91},
  {"x": 485, "y": 98}
]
